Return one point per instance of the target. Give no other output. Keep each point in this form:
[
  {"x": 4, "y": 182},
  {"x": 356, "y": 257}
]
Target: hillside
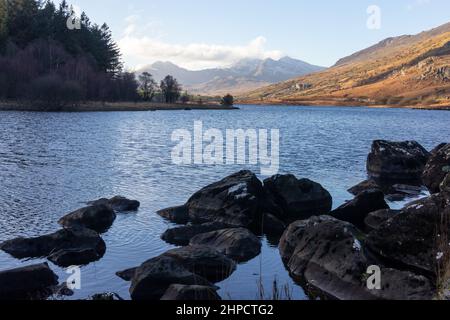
[
  {"x": 248, "y": 74},
  {"x": 401, "y": 71}
]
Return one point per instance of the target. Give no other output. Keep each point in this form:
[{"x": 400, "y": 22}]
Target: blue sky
[{"x": 199, "y": 33}]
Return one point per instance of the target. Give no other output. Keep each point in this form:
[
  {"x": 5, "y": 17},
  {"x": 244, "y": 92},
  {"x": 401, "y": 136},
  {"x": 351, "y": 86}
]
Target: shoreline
[
  {"x": 113, "y": 107},
  {"x": 331, "y": 103}
]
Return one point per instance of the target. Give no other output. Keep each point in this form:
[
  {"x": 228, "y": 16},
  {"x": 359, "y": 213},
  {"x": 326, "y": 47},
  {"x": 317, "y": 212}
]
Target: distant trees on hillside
[{"x": 43, "y": 60}]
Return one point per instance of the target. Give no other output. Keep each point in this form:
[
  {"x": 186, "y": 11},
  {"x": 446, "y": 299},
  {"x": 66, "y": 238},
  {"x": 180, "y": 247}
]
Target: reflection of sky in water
[{"x": 52, "y": 163}]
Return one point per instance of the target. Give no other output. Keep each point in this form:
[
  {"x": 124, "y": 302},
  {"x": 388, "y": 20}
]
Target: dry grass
[{"x": 396, "y": 73}]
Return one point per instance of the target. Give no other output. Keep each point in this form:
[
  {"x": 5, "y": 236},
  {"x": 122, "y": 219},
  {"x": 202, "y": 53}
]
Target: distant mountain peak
[{"x": 248, "y": 73}]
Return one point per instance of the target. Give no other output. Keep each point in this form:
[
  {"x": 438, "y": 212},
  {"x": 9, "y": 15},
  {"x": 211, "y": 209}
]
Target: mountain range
[
  {"x": 409, "y": 70},
  {"x": 246, "y": 75}
]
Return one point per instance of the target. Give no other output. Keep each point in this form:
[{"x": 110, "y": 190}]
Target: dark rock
[
  {"x": 356, "y": 210},
  {"x": 178, "y": 292},
  {"x": 326, "y": 254},
  {"x": 178, "y": 215},
  {"x": 404, "y": 286},
  {"x": 152, "y": 279},
  {"x": 239, "y": 244},
  {"x": 127, "y": 274},
  {"x": 80, "y": 256},
  {"x": 397, "y": 161},
  {"x": 118, "y": 203},
  {"x": 395, "y": 197},
  {"x": 272, "y": 225},
  {"x": 298, "y": 199},
  {"x": 364, "y": 186},
  {"x": 329, "y": 258},
  {"x": 27, "y": 283},
  {"x": 99, "y": 218},
  {"x": 375, "y": 219},
  {"x": 107, "y": 296},
  {"x": 408, "y": 189},
  {"x": 204, "y": 261},
  {"x": 234, "y": 201},
  {"x": 437, "y": 168},
  {"x": 445, "y": 185},
  {"x": 409, "y": 239},
  {"x": 437, "y": 149},
  {"x": 73, "y": 246},
  {"x": 182, "y": 235},
  {"x": 296, "y": 231}
]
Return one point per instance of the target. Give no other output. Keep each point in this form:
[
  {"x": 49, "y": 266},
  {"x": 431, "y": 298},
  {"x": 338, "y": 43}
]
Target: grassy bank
[
  {"x": 110, "y": 106},
  {"x": 341, "y": 103}
]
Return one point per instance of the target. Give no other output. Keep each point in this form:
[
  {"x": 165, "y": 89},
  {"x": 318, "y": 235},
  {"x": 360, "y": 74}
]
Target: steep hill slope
[{"x": 403, "y": 71}]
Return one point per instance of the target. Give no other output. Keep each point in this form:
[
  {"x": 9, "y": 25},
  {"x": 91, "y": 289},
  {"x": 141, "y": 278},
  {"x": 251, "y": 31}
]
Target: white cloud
[{"x": 140, "y": 48}]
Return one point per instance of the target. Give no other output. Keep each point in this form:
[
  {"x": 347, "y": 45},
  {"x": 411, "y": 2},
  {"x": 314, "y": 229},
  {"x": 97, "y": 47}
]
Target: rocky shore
[{"x": 328, "y": 252}]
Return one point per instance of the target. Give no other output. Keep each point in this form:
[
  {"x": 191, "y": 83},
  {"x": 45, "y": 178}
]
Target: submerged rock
[
  {"x": 397, "y": 161},
  {"x": 72, "y": 246},
  {"x": 239, "y": 244},
  {"x": 152, "y": 279},
  {"x": 437, "y": 168},
  {"x": 366, "y": 185},
  {"x": 356, "y": 210},
  {"x": 375, "y": 219},
  {"x": 179, "y": 215},
  {"x": 298, "y": 199},
  {"x": 178, "y": 292},
  {"x": 182, "y": 235},
  {"x": 27, "y": 283},
  {"x": 234, "y": 201},
  {"x": 97, "y": 217},
  {"x": 204, "y": 261},
  {"x": 118, "y": 203}
]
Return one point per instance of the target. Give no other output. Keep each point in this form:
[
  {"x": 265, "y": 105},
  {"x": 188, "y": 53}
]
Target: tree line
[{"x": 42, "y": 60}]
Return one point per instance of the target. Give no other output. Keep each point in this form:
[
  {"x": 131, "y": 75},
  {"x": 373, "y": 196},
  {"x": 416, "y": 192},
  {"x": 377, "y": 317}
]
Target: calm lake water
[{"x": 52, "y": 163}]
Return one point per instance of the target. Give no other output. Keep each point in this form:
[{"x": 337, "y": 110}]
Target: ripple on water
[{"x": 53, "y": 163}]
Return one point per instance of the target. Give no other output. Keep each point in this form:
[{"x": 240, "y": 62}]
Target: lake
[{"x": 53, "y": 163}]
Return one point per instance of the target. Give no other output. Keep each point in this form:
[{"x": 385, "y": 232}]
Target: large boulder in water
[
  {"x": 152, "y": 279},
  {"x": 397, "y": 161},
  {"x": 118, "y": 203},
  {"x": 178, "y": 292},
  {"x": 181, "y": 236},
  {"x": 239, "y": 244},
  {"x": 297, "y": 199},
  {"x": 437, "y": 167},
  {"x": 356, "y": 210},
  {"x": 234, "y": 201},
  {"x": 97, "y": 217},
  {"x": 26, "y": 283},
  {"x": 328, "y": 256},
  {"x": 178, "y": 214},
  {"x": 377, "y": 218},
  {"x": 416, "y": 237},
  {"x": 72, "y": 246},
  {"x": 204, "y": 261}
]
